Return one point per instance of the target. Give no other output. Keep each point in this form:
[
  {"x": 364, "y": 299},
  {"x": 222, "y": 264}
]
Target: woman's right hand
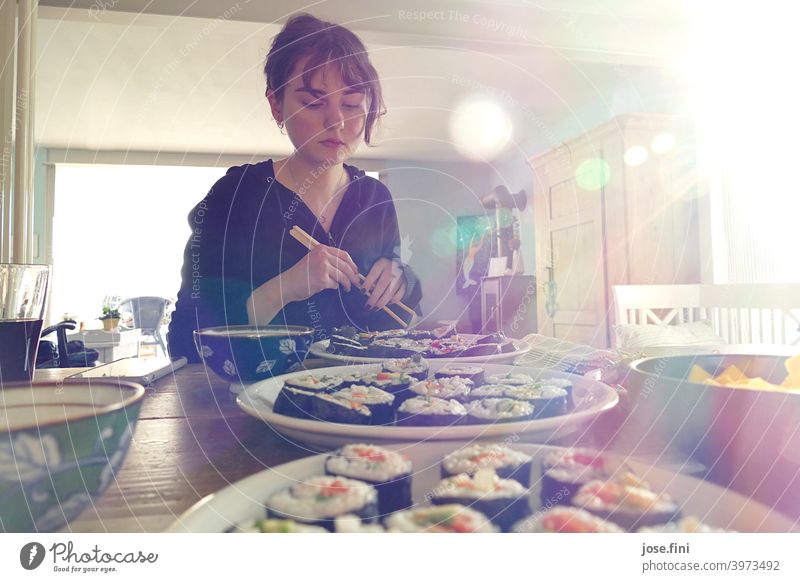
[{"x": 322, "y": 268}]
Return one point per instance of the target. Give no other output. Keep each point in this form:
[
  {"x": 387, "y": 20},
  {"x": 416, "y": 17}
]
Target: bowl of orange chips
[{"x": 737, "y": 414}]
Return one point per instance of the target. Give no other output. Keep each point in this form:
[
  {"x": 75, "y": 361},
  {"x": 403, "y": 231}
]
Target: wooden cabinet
[{"x": 614, "y": 206}]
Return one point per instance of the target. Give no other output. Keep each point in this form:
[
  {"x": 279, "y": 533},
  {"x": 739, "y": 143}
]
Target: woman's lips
[{"x": 332, "y": 143}]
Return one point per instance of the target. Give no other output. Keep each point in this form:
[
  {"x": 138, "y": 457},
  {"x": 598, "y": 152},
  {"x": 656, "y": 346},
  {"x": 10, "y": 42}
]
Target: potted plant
[{"x": 110, "y": 318}]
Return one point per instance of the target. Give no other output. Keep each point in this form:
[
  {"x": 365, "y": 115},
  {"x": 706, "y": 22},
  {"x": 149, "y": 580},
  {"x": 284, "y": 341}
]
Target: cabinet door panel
[{"x": 571, "y": 269}]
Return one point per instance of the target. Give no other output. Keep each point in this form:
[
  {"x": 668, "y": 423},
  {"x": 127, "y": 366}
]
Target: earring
[{"x": 280, "y": 126}]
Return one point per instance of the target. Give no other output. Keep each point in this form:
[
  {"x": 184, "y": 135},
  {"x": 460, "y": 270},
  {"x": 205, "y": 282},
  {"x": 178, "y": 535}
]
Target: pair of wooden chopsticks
[{"x": 309, "y": 242}]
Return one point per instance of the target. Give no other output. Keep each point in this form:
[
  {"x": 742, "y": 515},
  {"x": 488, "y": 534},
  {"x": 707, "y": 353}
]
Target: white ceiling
[{"x": 186, "y": 76}]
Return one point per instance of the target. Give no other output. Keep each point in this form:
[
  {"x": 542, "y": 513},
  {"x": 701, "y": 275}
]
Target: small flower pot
[{"x": 110, "y": 324}]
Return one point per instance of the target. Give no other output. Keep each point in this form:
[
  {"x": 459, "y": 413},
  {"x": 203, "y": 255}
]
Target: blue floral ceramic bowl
[
  {"x": 60, "y": 446},
  {"x": 246, "y": 353}
]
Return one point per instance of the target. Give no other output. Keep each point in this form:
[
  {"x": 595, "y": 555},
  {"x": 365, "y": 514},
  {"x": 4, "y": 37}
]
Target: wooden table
[{"x": 192, "y": 440}]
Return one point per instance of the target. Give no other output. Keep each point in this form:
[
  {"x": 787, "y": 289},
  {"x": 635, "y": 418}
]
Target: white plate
[
  {"x": 320, "y": 350},
  {"x": 590, "y": 398},
  {"x": 242, "y": 501}
]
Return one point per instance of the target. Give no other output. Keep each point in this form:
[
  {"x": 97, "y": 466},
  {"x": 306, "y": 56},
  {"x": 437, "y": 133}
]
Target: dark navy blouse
[{"x": 240, "y": 240}]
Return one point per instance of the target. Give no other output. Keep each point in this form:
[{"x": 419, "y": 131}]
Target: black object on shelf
[
  {"x": 508, "y": 304},
  {"x": 65, "y": 354}
]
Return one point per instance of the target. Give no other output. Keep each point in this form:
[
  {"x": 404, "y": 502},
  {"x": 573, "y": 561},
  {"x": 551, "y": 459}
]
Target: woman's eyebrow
[{"x": 318, "y": 93}]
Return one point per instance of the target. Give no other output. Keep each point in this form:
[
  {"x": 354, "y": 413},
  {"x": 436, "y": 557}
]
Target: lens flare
[
  {"x": 593, "y": 174},
  {"x": 636, "y": 156},
  {"x": 479, "y": 128},
  {"x": 663, "y": 143}
]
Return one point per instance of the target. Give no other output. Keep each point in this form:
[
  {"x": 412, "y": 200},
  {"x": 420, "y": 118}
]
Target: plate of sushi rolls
[
  {"x": 473, "y": 488},
  {"x": 347, "y": 345},
  {"x": 413, "y": 399}
]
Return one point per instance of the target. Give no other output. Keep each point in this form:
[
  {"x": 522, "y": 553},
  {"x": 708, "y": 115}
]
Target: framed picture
[{"x": 474, "y": 248}]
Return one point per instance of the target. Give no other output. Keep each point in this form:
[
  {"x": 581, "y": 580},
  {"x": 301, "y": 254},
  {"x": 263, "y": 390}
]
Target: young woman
[{"x": 241, "y": 266}]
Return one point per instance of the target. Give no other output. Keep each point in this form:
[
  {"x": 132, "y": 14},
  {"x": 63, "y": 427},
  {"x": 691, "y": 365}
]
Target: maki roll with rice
[
  {"x": 379, "y": 403},
  {"x": 415, "y": 367},
  {"x": 488, "y": 391},
  {"x": 565, "y": 472},
  {"x": 395, "y": 383},
  {"x": 439, "y": 519},
  {"x": 688, "y": 524},
  {"x": 318, "y": 500},
  {"x": 565, "y": 520},
  {"x": 503, "y": 501},
  {"x": 507, "y": 463},
  {"x": 510, "y": 378},
  {"x": 389, "y": 472},
  {"x": 473, "y": 373},
  {"x": 335, "y": 408},
  {"x": 297, "y": 395},
  {"x": 492, "y": 410},
  {"x": 547, "y": 400},
  {"x": 429, "y": 411},
  {"x": 276, "y": 526},
  {"x": 627, "y": 501},
  {"x": 456, "y": 388},
  {"x": 564, "y": 384}
]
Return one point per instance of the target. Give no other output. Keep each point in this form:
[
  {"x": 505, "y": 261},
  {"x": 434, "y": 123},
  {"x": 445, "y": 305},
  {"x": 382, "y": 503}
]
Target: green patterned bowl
[{"x": 60, "y": 446}]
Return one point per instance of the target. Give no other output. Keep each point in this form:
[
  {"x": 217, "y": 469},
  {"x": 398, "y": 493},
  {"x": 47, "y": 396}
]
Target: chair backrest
[
  {"x": 759, "y": 313},
  {"x": 147, "y": 312}
]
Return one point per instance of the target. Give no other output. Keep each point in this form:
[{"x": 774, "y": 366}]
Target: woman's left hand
[{"x": 385, "y": 283}]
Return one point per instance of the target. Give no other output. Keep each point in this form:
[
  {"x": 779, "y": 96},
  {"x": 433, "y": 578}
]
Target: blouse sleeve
[
  {"x": 391, "y": 250},
  {"x": 212, "y": 293}
]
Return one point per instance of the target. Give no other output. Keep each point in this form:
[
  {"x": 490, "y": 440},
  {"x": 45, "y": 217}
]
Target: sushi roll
[
  {"x": 503, "y": 501},
  {"x": 488, "y": 391},
  {"x": 395, "y": 383},
  {"x": 507, "y": 463},
  {"x": 565, "y": 472},
  {"x": 319, "y": 500},
  {"x": 393, "y": 348},
  {"x": 276, "y": 526},
  {"x": 564, "y": 384},
  {"x": 547, "y": 400},
  {"x": 422, "y": 411},
  {"x": 456, "y": 388},
  {"x": 415, "y": 367},
  {"x": 510, "y": 378},
  {"x": 391, "y": 334},
  {"x": 473, "y": 373},
  {"x": 439, "y": 519},
  {"x": 565, "y": 520},
  {"x": 493, "y": 338},
  {"x": 343, "y": 346},
  {"x": 297, "y": 395},
  {"x": 389, "y": 472},
  {"x": 492, "y": 410},
  {"x": 627, "y": 501},
  {"x": 688, "y": 524},
  {"x": 295, "y": 402},
  {"x": 377, "y": 401},
  {"x": 478, "y": 350},
  {"x": 314, "y": 383},
  {"x": 350, "y": 379},
  {"x": 419, "y": 334},
  {"x": 352, "y": 524},
  {"x": 336, "y": 408}
]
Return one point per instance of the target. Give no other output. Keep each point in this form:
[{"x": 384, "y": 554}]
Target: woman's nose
[{"x": 334, "y": 118}]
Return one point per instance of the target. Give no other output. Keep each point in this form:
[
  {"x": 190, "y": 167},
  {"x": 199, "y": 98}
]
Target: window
[{"x": 120, "y": 230}]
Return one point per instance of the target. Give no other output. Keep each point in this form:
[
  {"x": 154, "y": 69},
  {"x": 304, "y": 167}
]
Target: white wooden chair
[{"x": 762, "y": 313}]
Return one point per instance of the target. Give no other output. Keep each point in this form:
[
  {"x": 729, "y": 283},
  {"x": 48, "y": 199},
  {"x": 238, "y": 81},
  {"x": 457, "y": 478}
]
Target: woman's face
[{"x": 325, "y": 120}]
